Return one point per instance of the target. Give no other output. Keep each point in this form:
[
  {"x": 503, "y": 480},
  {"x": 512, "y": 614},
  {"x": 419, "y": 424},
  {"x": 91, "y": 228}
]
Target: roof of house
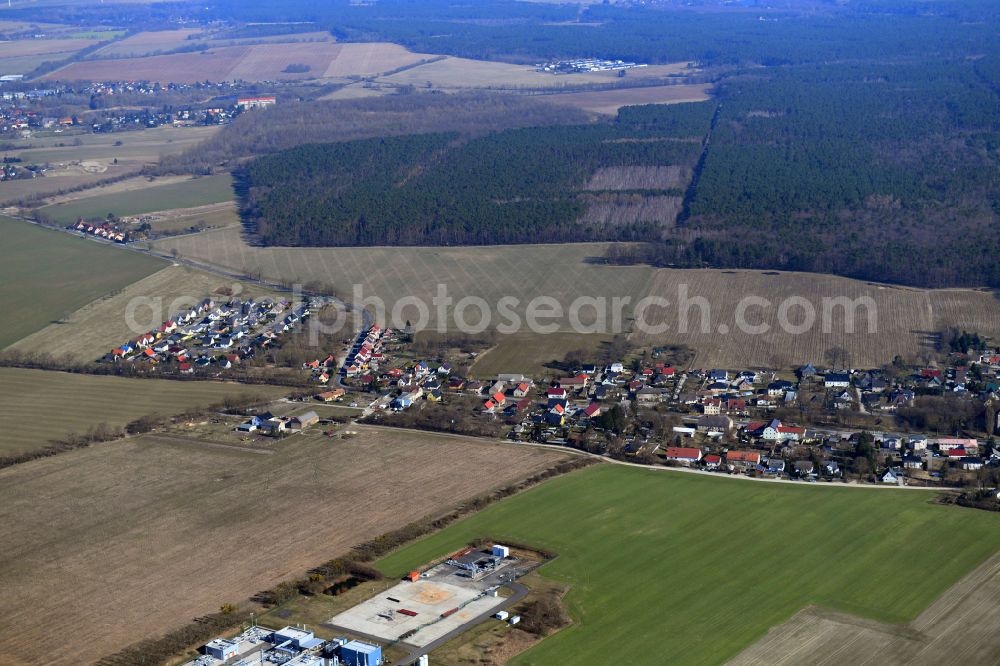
[{"x": 683, "y": 452}]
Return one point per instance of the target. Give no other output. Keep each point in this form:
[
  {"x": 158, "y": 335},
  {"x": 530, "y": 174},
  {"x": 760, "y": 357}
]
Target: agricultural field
[
  {"x": 119, "y": 561},
  {"x": 686, "y": 568},
  {"x": 40, "y": 405},
  {"x": 145, "y": 43},
  {"x": 88, "y": 333},
  {"x": 256, "y": 62},
  {"x": 185, "y": 194},
  {"x": 907, "y": 318},
  {"x": 91, "y": 157},
  {"x": 532, "y": 355},
  {"x": 958, "y": 628},
  {"x": 46, "y": 275},
  {"x": 456, "y": 73},
  {"x": 607, "y": 102},
  {"x": 47, "y": 47}
]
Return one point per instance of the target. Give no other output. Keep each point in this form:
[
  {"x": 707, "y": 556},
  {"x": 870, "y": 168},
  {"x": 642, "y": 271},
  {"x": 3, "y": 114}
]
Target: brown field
[
  {"x": 34, "y": 47},
  {"x": 959, "y": 628},
  {"x": 96, "y": 328},
  {"x": 609, "y": 101},
  {"x": 109, "y": 560},
  {"x": 639, "y": 178},
  {"x": 905, "y": 317},
  {"x": 252, "y": 63},
  {"x": 53, "y": 182},
  {"x": 144, "y": 43},
  {"x": 465, "y": 73}
]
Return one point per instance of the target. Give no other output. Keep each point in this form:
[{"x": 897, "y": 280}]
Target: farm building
[
  {"x": 303, "y": 421},
  {"x": 681, "y": 454}
]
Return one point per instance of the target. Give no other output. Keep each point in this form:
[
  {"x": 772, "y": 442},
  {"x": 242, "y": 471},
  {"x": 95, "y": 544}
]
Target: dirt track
[{"x": 961, "y": 627}]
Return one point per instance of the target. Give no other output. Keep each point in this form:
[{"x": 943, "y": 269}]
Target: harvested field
[
  {"x": 561, "y": 271},
  {"x": 119, "y": 561},
  {"x": 41, "y": 405},
  {"x": 252, "y": 63},
  {"x": 640, "y": 178},
  {"x": 145, "y": 43},
  {"x": 357, "y": 91},
  {"x": 57, "y": 48},
  {"x": 156, "y": 197},
  {"x": 46, "y": 275},
  {"x": 907, "y": 318},
  {"x": 958, "y": 628},
  {"x": 841, "y": 546},
  {"x": 136, "y": 147},
  {"x": 126, "y": 185},
  {"x": 609, "y": 101},
  {"x": 93, "y": 330},
  {"x": 454, "y": 73}
]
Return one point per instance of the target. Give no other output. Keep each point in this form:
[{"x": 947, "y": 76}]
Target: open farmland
[
  {"x": 608, "y": 102},
  {"x": 111, "y": 561},
  {"x": 145, "y": 43},
  {"x": 253, "y": 63},
  {"x": 689, "y": 567},
  {"x": 90, "y": 332},
  {"x": 54, "y": 48},
  {"x": 45, "y": 275},
  {"x": 958, "y": 628},
  {"x": 455, "y": 73},
  {"x": 906, "y": 318},
  {"x": 184, "y": 194},
  {"x": 41, "y": 405}
]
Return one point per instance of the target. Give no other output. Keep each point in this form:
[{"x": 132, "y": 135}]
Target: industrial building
[{"x": 357, "y": 653}]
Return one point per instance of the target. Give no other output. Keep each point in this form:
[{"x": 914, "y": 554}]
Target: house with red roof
[{"x": 683, "y": 454}]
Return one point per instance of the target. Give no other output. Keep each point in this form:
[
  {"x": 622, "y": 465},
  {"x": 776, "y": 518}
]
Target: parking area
[{"x": 442, "y": 600}]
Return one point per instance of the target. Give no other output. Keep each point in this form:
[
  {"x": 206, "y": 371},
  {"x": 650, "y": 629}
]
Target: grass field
[
  {"x": 906, "y": 318},
  {"x": 127, "y": 540},
  {"x": 46, "y": 275},
  {"x": 40, "y": 405},
  {"x": 90, "y": 332},
  {"x": 254, "y": 63},
  {"x": 674, "y": 568},
  {"x": 185, "y": 194}
]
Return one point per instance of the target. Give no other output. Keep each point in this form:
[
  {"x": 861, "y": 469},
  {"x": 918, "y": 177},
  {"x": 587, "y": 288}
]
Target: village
[
  {"x": 810, "y": 425},
  {"x": 213, "y": 335}
]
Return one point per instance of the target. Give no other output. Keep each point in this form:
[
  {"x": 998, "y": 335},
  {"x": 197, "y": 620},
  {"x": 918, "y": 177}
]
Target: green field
[
  {"x": 676, "y": 568},
  {"x": 39, "y": 405},
  {"x": 45, "y": 275},
  {"x": 186, "y": 194}
]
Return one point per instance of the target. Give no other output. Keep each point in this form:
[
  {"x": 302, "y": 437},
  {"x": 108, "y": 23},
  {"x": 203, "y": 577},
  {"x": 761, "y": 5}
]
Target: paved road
[{"x": 657, "y": 468}]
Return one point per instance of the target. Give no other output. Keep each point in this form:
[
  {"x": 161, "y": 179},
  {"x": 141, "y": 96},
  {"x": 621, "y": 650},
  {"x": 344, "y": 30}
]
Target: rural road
[{"x": 682, "y": 470}]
